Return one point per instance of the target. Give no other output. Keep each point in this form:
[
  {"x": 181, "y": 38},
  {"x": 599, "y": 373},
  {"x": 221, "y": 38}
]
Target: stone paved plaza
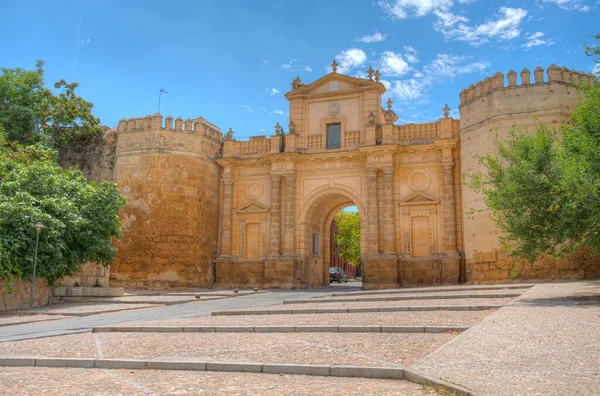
[{"x": 538, "y": 339}]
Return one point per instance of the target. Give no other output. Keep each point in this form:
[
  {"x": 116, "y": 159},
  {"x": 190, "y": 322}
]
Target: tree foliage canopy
[
  {"x": 30, "y": 112},
  {"x": 81, "y": 218},
  {"x": 544, "y": 187},
  {"x": 348, "y": 238}
]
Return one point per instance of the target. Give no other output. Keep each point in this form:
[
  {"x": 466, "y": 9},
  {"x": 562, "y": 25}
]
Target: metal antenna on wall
[{"x": 159, "y": 96}]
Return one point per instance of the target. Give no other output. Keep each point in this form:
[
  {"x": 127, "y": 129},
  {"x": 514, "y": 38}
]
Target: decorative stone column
[
  {"x": 226, "y": 219},
  {"x": 373, "y": 218},
  {"x": 288, "y": 215},
  {"x": 388, "y": 210},
  {"x": 380, "y": 270},
  {"x": 450, "y": 271},
  {"x": 449, "y": 208},
  {"x": 274, "y": 240}
]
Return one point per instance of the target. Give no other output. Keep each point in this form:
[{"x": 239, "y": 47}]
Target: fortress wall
[
  {"x": 171, "y": 183},
  {"x": 492, "y": 108},
  {"x": 94, "y": 157}
]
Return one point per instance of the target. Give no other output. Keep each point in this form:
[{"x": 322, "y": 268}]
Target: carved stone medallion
[
  {"x": 334, "y": 109},
  {"x": 333, "y": 85},
  {"x": 254, "y": 190},
  {"x": 419, "y": 179}
]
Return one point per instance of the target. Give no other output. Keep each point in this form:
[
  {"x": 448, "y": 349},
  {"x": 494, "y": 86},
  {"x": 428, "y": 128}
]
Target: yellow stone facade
[{"x": 206, "y": 210}]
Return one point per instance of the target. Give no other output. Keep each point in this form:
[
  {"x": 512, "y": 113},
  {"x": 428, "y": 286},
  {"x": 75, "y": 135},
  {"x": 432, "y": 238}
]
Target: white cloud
[
  {"x": 262, "y": 130},
  {"x": 411, "y": 54},
  {"x": 349, "y": 59},
  {"x": 264, "y": 63},
  {"x": 453, "y": 26},
  {"x": 272, "y": 91},
  {"x": 450, "y": 66},
  {"x": 403, "y": 9},
  {"x": 536, "y": 39},
  {"x": 596, "y": 68},
  {"x": 372, "y": 38},
  {"x": 504, "y": 27},
  {"x": 392, "y": 64},
  {"x": 570, "y": 5},
  {"x": 278, "y": 112},
  {"x": 410, "y": 49},
  {"x": 288, "y": 66},
  {"x": 443, "y": 68},
  {"x": 292, "y": 66},
  {"x": 247, "y": 108}
]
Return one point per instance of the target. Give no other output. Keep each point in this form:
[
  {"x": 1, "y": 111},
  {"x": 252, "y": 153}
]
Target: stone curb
[
  {"x": 402, "y": 298},
  {"x": 239, "y": 367},
  {"x": 413, "y": 376},
  {"x": 357, "y": 310},
  {"x": 281, "y": 329},
  {"x": 409, "y": 291},
  {"x": 137, "y": 302}
]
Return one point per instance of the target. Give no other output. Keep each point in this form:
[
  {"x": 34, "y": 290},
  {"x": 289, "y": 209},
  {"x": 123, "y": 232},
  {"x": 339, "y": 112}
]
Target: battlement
[
  {"x": 196, "y": 125},
  {"x": 497, "y": 81}
]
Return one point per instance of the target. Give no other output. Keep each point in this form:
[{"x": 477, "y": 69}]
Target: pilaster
[
  {"x": 226, "y": 216},
  {"x": 288, "y": 216},
  {"x": 388, "y": 210},
  {"x": 274, "y": 240}
]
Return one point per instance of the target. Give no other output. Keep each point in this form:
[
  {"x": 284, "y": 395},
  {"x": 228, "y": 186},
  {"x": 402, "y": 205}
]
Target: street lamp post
[{"x": 38, "y": 228}]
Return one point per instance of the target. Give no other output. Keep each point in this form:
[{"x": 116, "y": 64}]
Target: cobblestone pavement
[
  {"x": 547, "y": 342},
  {"x": 382, "y": 304},
  {"x": 60, "y": 381},
  {"x": 11, "y": 319},
  {"x": 431, "y": 318},
  {"x": 67, "y": 309},
  {"x": 141, "y": 299},
  {"x": 364, "y": 349}
]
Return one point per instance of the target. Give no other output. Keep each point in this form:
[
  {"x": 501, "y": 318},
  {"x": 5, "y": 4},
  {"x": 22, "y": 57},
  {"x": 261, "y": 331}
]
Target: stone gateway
[{"x": 206, "y": 210}]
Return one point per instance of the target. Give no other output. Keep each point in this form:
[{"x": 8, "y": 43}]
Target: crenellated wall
[
  {"x": 168, "y": 174},
  {"x": 491, "y": 108}
]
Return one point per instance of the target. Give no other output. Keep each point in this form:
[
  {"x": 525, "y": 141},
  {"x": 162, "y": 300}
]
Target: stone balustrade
[{"x": 419, "y": 131}]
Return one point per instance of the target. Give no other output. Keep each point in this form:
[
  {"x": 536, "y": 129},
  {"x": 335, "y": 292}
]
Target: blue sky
[{"x": 232, "y": 61}]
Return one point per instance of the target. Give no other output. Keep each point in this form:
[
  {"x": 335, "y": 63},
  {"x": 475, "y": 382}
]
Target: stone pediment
[
  {"x": 419, "y": 198},
  {"x": 252, "y": 207},
  {"x": 345, "y": 83}
]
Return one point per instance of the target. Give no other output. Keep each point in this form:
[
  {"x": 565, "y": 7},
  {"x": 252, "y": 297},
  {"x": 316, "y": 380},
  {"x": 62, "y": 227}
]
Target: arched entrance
[{"x": 313, "y": 234}]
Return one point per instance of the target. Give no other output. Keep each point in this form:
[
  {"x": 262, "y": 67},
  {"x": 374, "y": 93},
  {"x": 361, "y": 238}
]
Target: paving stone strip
[
  {"x": 401, "y": 298},
  {"x": 419, "y": 378},
  {"x": 434, "y": 290},
  {"x": 357, "y": 310},
  {"x": 108, "y": 300},
  {"x": 190, "y": 365},
  {"x": 279, "y": 329}
]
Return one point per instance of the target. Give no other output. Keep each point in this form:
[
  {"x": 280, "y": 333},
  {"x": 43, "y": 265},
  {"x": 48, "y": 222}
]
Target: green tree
[
  {"x": 543, "y": 188},
  {"x": 30, "y": 112},
  {"x": 81, "y": 217},
  {"x": 348, "y": 238}
]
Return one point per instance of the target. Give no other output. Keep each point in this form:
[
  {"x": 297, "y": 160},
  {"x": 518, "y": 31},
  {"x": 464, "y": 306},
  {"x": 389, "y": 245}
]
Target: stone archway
[{"x": 313, "y": 227}]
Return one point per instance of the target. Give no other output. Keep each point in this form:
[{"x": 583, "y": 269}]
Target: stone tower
[
  {"x": 491, "y": 107},
  {"x": 171, "y": 182}
]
